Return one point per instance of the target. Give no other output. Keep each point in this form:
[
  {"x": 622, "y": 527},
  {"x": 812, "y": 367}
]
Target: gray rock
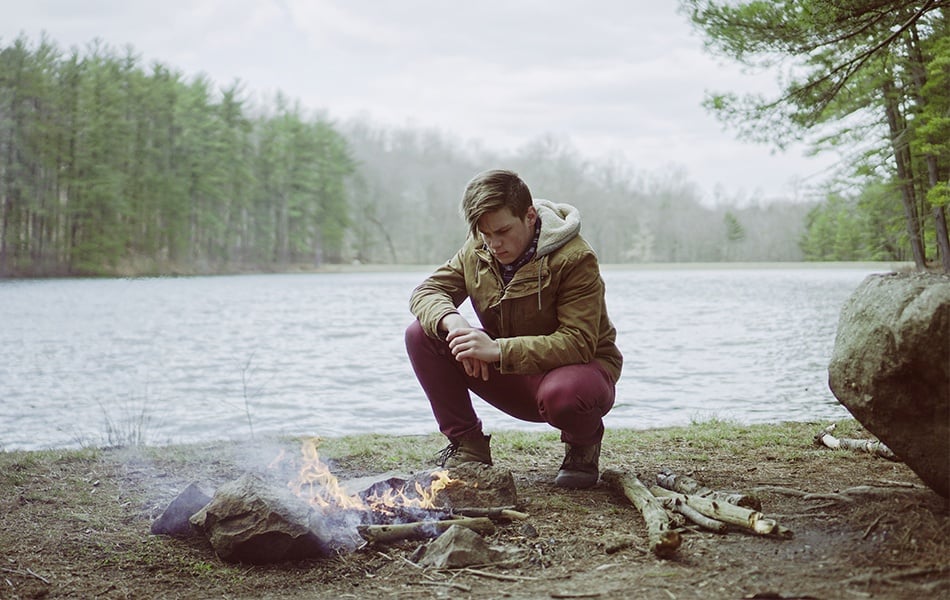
[
  {"x": 251, "y": 521},
  {"x": 891, "y": 368},
  {"x": 175, "y": 520},
  {"x": 457, "y": 547}
]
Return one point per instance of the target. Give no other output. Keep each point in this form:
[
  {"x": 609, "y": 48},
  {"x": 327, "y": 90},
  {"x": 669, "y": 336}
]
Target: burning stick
[
  {"x": 751, "y": 520},
  {"x": 874, "y": 447},
  {"x": 663, "y": 540},
  {"x": 666, "y": 478},
  {"x": 382, "y": 534}
]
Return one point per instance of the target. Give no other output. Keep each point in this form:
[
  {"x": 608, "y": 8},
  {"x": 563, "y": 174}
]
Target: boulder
[
  {"x": 251, "y": 521},
  {"x": 891, "y": 368}
]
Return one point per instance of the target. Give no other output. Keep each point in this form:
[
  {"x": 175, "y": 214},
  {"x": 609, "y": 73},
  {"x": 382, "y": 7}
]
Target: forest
[{"x": 112, "y": 167}]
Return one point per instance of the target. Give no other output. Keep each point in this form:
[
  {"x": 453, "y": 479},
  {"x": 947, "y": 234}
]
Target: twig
[
  {"x": 575, "y": 595},
  {"x": 871, "y": 526},
  {"x": 498, "y": 576},
  {"x": 26, "y": 572},
  {"x": 402, "y": 558}
]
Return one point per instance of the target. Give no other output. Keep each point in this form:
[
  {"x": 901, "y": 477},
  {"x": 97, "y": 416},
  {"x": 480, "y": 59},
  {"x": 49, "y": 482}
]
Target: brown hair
[{"x": 491, "y": 190}]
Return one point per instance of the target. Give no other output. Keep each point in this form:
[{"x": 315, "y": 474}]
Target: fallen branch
[
  {"x": 663, "y": 540},
  {"x": 684, "y": 484},
  {"x": 501, "y": 513},
  {"x": 739, "y": 516},
  {"x": 875, "y": 447},
  {"x": 381, "y": 534}
]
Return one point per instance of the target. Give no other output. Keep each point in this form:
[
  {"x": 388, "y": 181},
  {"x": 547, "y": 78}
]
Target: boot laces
[{"x": 446, "y": 453}]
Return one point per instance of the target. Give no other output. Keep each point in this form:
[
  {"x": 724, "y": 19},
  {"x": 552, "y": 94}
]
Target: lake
[{"x": 208, "y": 358}]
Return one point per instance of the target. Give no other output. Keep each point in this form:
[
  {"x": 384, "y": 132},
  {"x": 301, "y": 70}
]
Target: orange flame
[{"x": 318, "y": 486}]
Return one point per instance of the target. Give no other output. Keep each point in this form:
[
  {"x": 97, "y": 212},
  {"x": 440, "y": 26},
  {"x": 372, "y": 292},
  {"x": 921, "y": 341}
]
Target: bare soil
[{"x": 75, "y": 524}]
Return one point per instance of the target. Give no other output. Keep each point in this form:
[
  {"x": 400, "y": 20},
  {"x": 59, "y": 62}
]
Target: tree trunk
[
  {"x": 904, "y": 175},
  {"x": 919, "y": 75}
]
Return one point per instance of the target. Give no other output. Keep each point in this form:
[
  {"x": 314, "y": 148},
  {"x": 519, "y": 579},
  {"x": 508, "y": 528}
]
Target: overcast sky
[{"x": 614, "y": 78}]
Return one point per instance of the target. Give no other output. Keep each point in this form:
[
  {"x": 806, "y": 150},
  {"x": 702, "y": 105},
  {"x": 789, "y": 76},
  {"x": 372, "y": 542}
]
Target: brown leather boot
[
  {"x": 474, "y": 447},
  {"x": 581, "y": 467}
]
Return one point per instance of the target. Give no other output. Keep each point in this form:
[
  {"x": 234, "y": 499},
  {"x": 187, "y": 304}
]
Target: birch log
[
  {"x": 874, "y": 447},
  {"x": 663, "y": 540},
  {"x": 382, "y": 534},
  {"x": 683, "y": 484},
  {"x": 677, "y": 505},
  {"x": 739, "y": 516}
]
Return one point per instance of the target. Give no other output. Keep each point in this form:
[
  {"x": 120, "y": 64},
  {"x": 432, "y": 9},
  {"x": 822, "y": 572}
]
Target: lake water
[{"x": 210, "y": 358}]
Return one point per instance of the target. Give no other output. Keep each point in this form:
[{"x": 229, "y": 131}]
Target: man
[{"x": 546, "y": 349}]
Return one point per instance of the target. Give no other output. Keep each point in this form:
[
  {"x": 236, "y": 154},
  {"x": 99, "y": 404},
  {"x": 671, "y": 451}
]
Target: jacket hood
[{"x": 559, "y": 224}]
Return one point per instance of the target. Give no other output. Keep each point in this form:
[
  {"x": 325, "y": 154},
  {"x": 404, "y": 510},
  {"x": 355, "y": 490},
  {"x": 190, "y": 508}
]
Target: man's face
[{"x": 506, "y": 235}]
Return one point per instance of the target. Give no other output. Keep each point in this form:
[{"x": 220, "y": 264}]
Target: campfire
[
  {"x": 255, "y": 520},
  {"x": 320, "y": 488},
  {"x": 252, "y": 519}
]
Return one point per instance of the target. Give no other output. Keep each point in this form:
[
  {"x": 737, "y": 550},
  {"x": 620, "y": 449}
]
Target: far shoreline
[{"x": 303, "y": 269}]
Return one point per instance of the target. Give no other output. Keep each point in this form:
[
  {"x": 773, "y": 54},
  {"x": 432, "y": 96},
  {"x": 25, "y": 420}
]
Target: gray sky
[{"x": 617, "y": 78}]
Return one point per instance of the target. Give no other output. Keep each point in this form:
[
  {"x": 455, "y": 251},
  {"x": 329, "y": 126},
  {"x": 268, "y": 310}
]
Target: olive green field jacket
[{"x": 551, "y": 314}]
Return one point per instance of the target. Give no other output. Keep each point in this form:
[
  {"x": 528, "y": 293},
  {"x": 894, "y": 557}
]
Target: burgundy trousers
[{"x": 572, "y": 398}]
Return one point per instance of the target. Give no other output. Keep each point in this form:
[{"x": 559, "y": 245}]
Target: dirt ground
[{"x": 75, "y": 524}]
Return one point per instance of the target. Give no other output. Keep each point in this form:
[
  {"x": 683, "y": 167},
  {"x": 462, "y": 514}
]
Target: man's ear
[{"x": 531, "y": 216}]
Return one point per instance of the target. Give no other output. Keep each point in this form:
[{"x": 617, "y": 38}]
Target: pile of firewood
[{"x": 708, "y": 509}]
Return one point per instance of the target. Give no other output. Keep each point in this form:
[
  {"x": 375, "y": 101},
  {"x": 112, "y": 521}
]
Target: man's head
[{"x": 497, "y": 205}]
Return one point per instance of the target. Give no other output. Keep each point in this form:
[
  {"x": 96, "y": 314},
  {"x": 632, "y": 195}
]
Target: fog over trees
[{"x": 111, "y": 167}]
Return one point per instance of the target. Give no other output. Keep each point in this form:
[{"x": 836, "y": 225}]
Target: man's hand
[
  {"x": 474, "y": 349},
  {"x": 470, "y": 346}
]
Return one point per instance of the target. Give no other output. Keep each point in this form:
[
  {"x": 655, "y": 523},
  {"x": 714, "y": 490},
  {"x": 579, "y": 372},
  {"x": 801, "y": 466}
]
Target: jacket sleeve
[
  {"x": 579, "y": 305},
  {"x": 440, "y": 294}
]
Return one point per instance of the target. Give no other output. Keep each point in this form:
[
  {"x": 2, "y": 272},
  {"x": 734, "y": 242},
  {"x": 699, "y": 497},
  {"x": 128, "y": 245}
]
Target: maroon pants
[{"x": 572, "y": 398}]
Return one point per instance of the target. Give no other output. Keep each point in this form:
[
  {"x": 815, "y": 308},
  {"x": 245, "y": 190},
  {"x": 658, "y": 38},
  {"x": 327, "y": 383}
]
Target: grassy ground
[{"x": 75, "y": 523}]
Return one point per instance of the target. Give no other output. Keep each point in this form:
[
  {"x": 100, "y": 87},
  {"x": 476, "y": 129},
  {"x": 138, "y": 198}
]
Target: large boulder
[{"x": 891, "y": 368}]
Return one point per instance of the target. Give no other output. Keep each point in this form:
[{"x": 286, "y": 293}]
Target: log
[
  {"x": 875, "y": 447},
  {"x": 683, "y": 484},
  {"x": 751, "y": 520},
  {"x": 663, "y": 540},
  {"x": 677, "y": 505},
  {"x": 383, "y": 534}
]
